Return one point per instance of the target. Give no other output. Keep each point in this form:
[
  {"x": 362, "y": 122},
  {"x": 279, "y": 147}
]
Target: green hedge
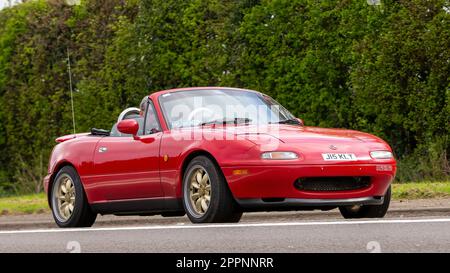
[{"x": 381, "y": 69}]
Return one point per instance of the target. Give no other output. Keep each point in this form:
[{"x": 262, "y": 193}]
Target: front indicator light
[
  {"x": 381, "y": 155},
  {"x": 240, "y": 172},
  {"x": 279, "y": 155}
]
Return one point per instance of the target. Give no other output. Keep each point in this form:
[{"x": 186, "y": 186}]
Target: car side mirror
[
  {"x": 128, "y": 126},
  {"x": 131, "y": 127},
  {"x": 302, "y": 123}
]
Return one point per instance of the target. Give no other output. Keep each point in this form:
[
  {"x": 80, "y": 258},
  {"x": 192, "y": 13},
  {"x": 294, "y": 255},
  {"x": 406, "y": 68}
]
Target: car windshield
[{"x": 221, "y": 106}]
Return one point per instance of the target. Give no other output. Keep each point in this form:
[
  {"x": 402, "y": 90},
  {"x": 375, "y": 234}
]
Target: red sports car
[{"x": 213, "y": 153}]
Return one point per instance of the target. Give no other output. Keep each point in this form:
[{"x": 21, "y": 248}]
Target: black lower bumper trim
[
  {"x": 297, "y": 203},
  {"x": 139, "y": 206}
]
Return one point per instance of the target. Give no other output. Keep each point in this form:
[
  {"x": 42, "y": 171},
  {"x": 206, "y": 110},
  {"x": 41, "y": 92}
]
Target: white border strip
[{"x": 243, "y": 225}]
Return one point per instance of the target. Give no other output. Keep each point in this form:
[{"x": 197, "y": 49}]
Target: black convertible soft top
[{"x": 99, "y": 132}]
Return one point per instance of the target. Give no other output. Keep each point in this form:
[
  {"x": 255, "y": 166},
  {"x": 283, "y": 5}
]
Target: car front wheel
[
  {"x": 367, "y": 211},
  {"x": 206, "y": 196},
  {"x": 68, "y": 200}
]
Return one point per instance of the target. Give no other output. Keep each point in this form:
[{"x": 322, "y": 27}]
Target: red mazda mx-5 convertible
[{"x": 213, "y": 153}]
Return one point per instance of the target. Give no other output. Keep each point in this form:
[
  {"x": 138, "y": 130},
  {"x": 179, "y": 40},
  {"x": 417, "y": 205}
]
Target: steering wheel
[{"x": 193, "y": 113}]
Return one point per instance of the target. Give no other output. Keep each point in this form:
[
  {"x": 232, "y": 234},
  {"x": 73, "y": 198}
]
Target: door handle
[{"x": 102, "y": 149}]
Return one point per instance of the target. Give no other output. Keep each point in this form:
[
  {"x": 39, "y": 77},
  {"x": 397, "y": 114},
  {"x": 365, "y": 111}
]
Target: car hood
[
  {"x": 291, "y": 134},
  {"x": 311, "y": 142},
  {"x": 314, "y": 135}
]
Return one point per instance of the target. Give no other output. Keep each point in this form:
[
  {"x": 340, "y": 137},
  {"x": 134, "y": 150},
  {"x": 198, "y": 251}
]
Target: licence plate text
[{"x": 338, "y": 157}]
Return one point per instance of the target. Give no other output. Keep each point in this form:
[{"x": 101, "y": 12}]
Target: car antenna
[{"x": 71, "y": 89}]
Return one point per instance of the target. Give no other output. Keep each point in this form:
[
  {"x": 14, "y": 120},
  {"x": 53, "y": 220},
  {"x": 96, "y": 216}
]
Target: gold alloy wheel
[
  {"x": 65, "y": 197},
  {"x": 200, "y": 191}
]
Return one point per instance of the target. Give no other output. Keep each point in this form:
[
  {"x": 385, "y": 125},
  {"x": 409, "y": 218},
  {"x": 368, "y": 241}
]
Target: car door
[{"x": 126, "y": 168}]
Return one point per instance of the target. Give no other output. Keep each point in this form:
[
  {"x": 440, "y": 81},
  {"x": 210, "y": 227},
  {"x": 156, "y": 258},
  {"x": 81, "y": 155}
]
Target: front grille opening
[
  {"x": 332, "y": 183},
  {"x": 269, "y": 200}
]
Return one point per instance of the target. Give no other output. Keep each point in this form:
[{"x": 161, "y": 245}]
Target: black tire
[
  {"x": 367, "y": 211},
  {"x": 222, "y": 206},
  {"x": 82, "y": 215}
]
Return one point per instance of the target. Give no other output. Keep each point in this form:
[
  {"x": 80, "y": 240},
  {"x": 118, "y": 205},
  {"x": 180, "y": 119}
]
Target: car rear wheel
[
  {"x": 206, "y": 196},
  {"x": 367, "y": 211},
  {"x": 68, "y": 200}
]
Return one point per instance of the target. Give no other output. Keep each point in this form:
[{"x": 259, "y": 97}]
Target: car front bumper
[{"x": 251, "y": 184}]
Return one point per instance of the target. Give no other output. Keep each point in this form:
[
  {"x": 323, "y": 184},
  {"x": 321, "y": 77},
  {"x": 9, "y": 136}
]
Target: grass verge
[
  {"x": 421, "y": 190},
  {"x": 37, "y": 203},
  {"x": 24, "y": 204}
]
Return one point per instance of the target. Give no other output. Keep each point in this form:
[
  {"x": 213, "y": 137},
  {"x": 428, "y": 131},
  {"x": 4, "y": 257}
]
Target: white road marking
[{"x": 198, "y": 226}]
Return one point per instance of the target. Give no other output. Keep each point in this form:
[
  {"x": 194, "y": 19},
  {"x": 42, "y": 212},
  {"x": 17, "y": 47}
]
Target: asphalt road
[{"x": 400, "y": 234}]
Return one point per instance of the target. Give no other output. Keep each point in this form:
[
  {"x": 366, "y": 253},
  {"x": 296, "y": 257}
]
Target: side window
[
  {"x": 129, "y": 113},
  {"x": 151, "y": 120}
]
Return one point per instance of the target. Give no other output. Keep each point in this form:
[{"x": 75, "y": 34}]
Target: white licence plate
[{"x": 338, "y": 157}]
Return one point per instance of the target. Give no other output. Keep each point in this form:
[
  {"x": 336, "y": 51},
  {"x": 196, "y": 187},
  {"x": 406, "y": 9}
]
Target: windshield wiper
[
  {"x": 289, "y": 121},
  {"x": 226, "y": 121}
]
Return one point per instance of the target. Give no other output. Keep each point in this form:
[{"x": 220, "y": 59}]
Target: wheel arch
[
  {"x": 231, "y": 212},
  {"x": 56, "y": 169},
  {"x": 194, "y": 154}
]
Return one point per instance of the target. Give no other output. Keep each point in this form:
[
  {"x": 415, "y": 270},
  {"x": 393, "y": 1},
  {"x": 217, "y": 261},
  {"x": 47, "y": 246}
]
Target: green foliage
[
  {"x": 380, "y": 69},
  {"x": 300, "y": 53},
  {"x": 428, "y": 161},
  {"x": 405, "y": 70}
]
